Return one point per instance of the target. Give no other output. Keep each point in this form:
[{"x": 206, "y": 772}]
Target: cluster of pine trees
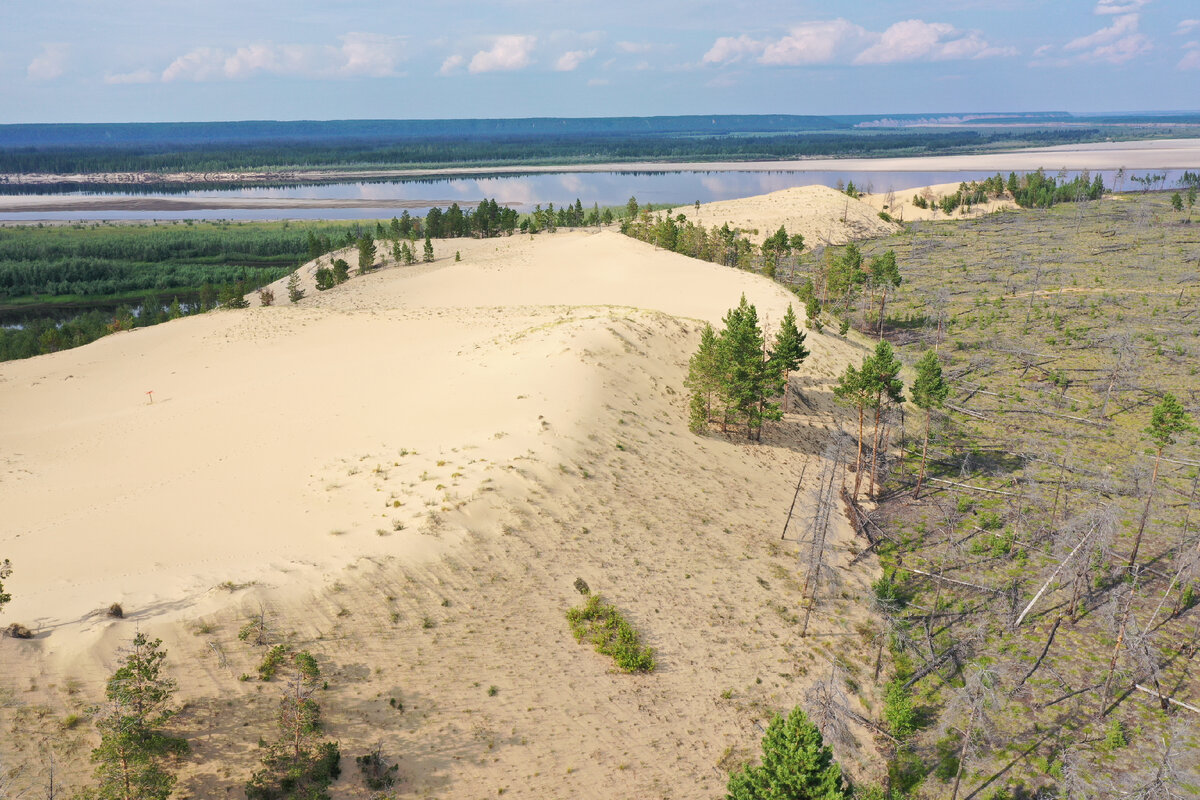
[{"x": 734, "y": 379}]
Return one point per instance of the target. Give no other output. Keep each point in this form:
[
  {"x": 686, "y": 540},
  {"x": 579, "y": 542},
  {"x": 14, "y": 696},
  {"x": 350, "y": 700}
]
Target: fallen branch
[
  {"x": 1172, "y": 700},
  {"x": 973, "y": 488},
  {"x": 952, "y": 580}
]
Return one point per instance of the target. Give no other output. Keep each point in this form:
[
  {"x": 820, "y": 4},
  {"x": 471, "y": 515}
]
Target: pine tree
[
  {"x": 297, "y": 765},
  {"x": 885, "y": 275},
  {"x": 704, "y": 379},
  {"x": 366, "y": 254},
  {"x": 1167, "y": 420},
  {"x": 406, "y": 255},
  {"x": 295, "y": 293},
  {"x": 853, "y": 390},
  {"x": 880, "y": 372},
  {"x": 132, "y": 751},
  {"x": 789, "y": 350},
  {"x": 929, "y": 391},
  {"x": 341, "y": 271},
  {"x": 174, "y": 311},
  {"x": 428, "y": 255},
  {"x": 796, "y": 765},
  {"x": 751, "y": 380}
]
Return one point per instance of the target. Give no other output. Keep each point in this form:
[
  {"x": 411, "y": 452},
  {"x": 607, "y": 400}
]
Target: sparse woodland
[{"x": 1035, "y": 507}]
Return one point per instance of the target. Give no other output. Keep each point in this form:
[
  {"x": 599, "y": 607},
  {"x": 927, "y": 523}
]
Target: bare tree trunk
[
  {"x": 962, "y": 754},
  {"x": 1137, "y": 540},
  {"x": 858, "y": 461},
  {"x": 875, "y": 448}
]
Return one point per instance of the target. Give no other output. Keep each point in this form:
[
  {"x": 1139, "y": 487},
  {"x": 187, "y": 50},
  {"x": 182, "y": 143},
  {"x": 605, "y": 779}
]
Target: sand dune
[
  {"x": 822, "y": 215},
  {"x": 406, "y": 473}
]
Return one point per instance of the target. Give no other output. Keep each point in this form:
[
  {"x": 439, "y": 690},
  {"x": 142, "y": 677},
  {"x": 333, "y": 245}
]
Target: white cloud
[
  {"x": 1186, "y": 26},
  {"x": 506, "y": 53},
  {"x": 139, "y": 76},
  {"x": 728, "y": 49},
  {"x": 356, "y": 55},
  {"x": 635, "y": 47},
  {"x": 1119, "y": 6},
  {"x": 50, "y": 63},
  {"x": 370, "y": 54},
  {"x": 1191, "y": 59},
  {"x": 842, "y": 41},
  {"x": 572, "y": 59},
  {"x": 817, "y": 43},
  {"x": 1115, "y": 44},
  {"x": 452, "y": 64},
  {"x": 914, "y": 40}
]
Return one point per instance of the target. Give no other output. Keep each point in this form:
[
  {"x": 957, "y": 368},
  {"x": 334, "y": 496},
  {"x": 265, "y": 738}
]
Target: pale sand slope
[
  {"x": 901, "y": 206},
  {"x": 540, "y": 385},
  {"x": 821, "y": 214}
]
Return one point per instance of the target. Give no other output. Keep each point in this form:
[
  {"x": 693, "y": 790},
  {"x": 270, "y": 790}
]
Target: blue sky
[{"x": 160, "y": 60}]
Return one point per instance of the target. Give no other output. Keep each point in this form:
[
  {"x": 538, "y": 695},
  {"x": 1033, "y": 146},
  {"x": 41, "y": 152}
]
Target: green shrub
[
  {"x": 796, "y": 763},
  {"x": 1114, "y": 736},
  {"x": 602, "y": 624},
  {"x": 271, "y": 662},
  {"x": 898, "y": 710}
]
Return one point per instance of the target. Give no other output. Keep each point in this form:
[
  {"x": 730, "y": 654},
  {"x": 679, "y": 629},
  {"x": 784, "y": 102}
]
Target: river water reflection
[{"x": 380, "y": 199}]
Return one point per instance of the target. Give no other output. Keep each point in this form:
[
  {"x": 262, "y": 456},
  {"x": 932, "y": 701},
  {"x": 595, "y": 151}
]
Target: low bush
[{"x": 602, "y": 624}]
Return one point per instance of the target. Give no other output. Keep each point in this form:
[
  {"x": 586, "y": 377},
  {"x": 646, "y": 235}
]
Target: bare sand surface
[
  {"x": 821, "y": 214},
  {"x": 1154, "y": 154},
  {"x": 405, "y": 474}
]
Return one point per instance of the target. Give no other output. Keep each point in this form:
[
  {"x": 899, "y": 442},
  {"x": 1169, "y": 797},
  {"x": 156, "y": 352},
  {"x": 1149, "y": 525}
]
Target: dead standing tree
[
  {"x": 970, "y": 710},
  {"x": 815, "y": 552}
]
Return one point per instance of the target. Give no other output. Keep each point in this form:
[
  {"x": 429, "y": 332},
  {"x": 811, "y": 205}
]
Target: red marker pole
[{"x": 150, "y": 394}]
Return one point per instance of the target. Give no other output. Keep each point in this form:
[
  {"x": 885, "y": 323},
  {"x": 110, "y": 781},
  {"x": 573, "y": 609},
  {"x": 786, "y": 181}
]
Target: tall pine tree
[
  {"x": 789, "y": 350},
  {"x": 133, "y": 749},
  {"x": 881, "y": 372},
  {"x": 929, "y": 391}
]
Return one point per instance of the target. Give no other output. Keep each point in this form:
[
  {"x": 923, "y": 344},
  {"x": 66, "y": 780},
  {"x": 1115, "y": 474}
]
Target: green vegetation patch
[{"x": 599, "y": 622}]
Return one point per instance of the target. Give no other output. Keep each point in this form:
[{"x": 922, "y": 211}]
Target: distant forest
[{"x": 212, "y": 147}]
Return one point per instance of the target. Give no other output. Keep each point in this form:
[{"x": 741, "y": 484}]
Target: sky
[{"x": 179, "y": 60}]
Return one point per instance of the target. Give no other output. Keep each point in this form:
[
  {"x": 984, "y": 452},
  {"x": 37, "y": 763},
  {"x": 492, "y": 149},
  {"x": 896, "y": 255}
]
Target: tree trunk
[
  {"x": 875, "y": 448},
  {"x": 924, "y": 450},
  {"x": 962, "y": 754},
  {"x": 882, "y": 304},
  {"x": 1137, "y": 540},
  {"x": 858, "y": 461}
]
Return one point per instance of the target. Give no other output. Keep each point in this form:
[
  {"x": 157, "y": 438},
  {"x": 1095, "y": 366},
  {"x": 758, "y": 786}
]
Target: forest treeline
[{"x": 500, "y": 149}]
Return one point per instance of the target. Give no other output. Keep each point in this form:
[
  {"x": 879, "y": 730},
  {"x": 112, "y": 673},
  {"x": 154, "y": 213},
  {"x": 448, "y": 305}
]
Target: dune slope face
[{"x": 406, "y": 474}]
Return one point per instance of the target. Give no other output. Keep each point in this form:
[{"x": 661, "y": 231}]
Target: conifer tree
[
  {"x": 885, "y": 275},
  {"x": 341, "y": 271},
  {"x": 853, "y": 390},
  {"x": 1167, "y": 420},
  {"x": 789, "y": 350},
  {"x": 704, "y": 379},
  {"x": 406, "y": 255},
  {"x": 751, "y": 379},
  {"x": 796, "y": 765},
  {"x": 174, "y": 311},
  {"x": 133, "y": 749},
  {"x": 929, "y": 391},
  {"x": 880, "y": 372},
  {"x": 428, "y": 255},
  {"x": 297, "y": 765},
  {"x": 295, "y": 293},
  {"x": 366, "y": 254}
]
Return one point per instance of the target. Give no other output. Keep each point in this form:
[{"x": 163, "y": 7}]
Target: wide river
[{"x": 523, "y": 189}]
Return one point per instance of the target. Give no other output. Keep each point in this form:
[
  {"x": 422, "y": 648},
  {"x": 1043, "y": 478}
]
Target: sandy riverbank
[{"x": 1155, "y": 154}]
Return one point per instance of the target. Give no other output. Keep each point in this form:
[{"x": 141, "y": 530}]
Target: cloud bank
[{"x": 840, "y": 41}]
